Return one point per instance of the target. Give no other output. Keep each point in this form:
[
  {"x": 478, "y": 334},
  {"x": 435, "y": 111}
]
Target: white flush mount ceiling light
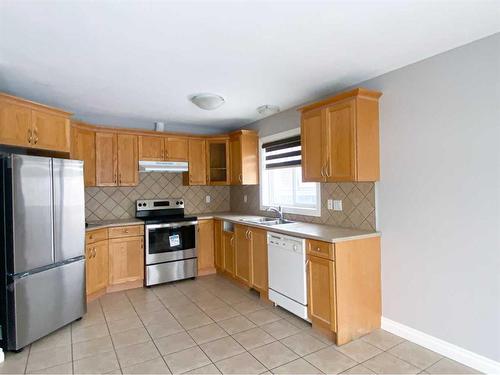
[
  {"x": 267, "y": 109},
  {"x": 207, "y": 101}
]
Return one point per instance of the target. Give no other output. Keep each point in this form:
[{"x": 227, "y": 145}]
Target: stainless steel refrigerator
[{"x": 43, "y": 240}]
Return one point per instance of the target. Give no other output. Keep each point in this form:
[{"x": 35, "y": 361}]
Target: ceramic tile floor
[{"x": 208, "y": 326}]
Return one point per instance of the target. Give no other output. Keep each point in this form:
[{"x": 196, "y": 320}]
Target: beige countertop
[
  {"x": 320, "y": 232},
  {"x": 92, "y": 225}
]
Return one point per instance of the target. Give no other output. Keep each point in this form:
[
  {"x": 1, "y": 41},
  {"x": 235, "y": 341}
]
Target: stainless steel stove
[{"x": 170, "y": 238}]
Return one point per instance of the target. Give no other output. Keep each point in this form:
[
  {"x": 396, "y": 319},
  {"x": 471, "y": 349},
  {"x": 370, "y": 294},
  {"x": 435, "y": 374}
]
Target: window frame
[{"x": 286, "y": 209}]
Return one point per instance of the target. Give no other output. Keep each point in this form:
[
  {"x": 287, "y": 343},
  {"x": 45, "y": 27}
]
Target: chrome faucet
[{"x": 278, "y": 210}]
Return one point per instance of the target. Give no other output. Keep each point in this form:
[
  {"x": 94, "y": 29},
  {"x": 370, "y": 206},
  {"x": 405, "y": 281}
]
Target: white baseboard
[{"x": 442, "y": 347}]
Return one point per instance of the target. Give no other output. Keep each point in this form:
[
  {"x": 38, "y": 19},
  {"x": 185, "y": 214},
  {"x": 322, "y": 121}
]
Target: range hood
[{"x": 163, "y": 166}]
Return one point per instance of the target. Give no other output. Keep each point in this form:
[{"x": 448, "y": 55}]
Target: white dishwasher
[{"x": 287, "y": 273}]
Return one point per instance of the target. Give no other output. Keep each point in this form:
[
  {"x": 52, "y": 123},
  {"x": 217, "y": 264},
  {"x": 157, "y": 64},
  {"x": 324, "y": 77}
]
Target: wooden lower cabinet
[
  {"x": 344, "y": 287},
  {"x": 205, "y": 247},
  {"x": 243, "y": 248},
  {"x": 321, "y": 291},
  {"x": 218, "y": 248},
  {"x": 258, "y": 260},
  {"x": 228, "y": 248},
  {"x": 126, "y": 260},
  {"x": 97, "y": 267},
  {"x": 115, "y": 259}
]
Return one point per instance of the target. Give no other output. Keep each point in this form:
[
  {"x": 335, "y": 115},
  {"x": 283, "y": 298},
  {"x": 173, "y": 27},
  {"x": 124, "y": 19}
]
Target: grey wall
[{"x": 439, "y": 194}]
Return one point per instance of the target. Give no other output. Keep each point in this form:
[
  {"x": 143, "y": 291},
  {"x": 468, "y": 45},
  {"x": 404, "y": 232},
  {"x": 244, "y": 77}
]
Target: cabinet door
[
  {"x": 83, "y": 148},
  {"x": 218, "y": 162},
  {"x": 97, "y": 266},
  {"x": 243, "y": 245},
  {"x": 50, "y": 132},
  {"x": 105, "y": 159},
  {"x": 126, "y": 260},
  {"x": 340, "y": 133},
  {"x": 219, "y": 253},
  {"x": 312, "y": 143},
  {"x": 15, "y": 125},
  {"x": 197, "y": 174},
  {"x": 250, "y": 159},
  {"x": 259, "y": 259},
  {"x": 176, "y": 149},
  {"x": 228, "y": 244},
  {"x": 151, "y": 148},
  {"x": 128, "y": 162},
  {"x": 205, "y": 247},
  {"x": 236, "y": 172},
  {"x": 321, "y": 288}
]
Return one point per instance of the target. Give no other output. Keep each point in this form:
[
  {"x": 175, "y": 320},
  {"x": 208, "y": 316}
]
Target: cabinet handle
[
  {"x": 322, "y": 171},
  {"x": 231, "y": 241},
  {"x": 30, "y": 137},
  {"x": 166, "y": 152},
  {"x": 240, "y": 178},
  {"x": 249, "y": 234},
  {"x": 328, "y": 172},
  {"x": 35, "y": 135},
  {"x": 318, "y": 249},
  {"x": 120, "y": 178}
]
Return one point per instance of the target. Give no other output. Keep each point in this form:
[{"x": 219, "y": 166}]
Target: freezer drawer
[{"x": 41, "y": 303}]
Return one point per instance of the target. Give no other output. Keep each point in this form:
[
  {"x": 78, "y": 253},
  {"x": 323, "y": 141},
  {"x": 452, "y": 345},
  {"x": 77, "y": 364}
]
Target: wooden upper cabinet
[
  {"x": 128, "y": 160},
  {"x": 176, "y": 149},
  {"x": 15, "y": 124},
  {"x": 83, "y": 148},
  {"x": 50, "y": 132},
  {"x": 243, "y": 249},
  {"x": 205, "y": 247},
  {"x": 106, "y": 159},
  {"x": 126, "y": 260},
  {"x": 218, "y": 161},
  {"x": 258, "y": 264},
  {"x": 27, "y": 124},
  {"x": 340, "y": 138},
  {"x": 312, "y": 146},
  {"x": 244, "y": 146},
  {"x": 197, "y": 174},
  {"x": 151, "y": 148},
  {"x": 320, "y": 290}
]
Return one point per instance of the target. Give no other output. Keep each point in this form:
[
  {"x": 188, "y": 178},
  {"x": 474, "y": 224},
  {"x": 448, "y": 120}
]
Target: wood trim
[
  {"x": 125, "y": 286},
  {"x": 358, "y": 92},
  {"x": 34, "y": 105}
]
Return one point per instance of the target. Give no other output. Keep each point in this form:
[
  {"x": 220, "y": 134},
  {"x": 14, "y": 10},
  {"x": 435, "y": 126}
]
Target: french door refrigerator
[{"x": 43, "y": 239}]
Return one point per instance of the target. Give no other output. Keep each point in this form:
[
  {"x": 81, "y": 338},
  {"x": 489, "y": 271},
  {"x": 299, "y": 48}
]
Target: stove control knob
[
  {"x": 181, "y": 202},
  {"x": 177, "y": 203}
]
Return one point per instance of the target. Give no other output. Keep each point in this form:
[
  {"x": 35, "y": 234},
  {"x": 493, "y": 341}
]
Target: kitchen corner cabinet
[
  {"x": 205, "y": 247},
  {"x": 244, "y": 148},
  {"x": 343, "y": 285},
  {"x": 340, "y": 138},
  {"x": 83, "y": 148},
  {"x": 31, "y": 125},
  {"x": 197, "y": 174}
]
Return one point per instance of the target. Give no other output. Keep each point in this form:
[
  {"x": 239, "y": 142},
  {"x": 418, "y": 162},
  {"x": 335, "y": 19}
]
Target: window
[{"x": 281, "y": 176}]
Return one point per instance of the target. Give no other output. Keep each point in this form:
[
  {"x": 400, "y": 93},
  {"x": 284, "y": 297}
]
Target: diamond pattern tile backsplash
[
  {"x": 108, "y": 203},
  {"x": 358, "y": 204}
]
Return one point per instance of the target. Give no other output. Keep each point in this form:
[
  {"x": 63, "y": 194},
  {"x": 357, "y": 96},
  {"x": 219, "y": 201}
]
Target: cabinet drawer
[
  {"x": 127, "y": 231},
  {"x": 96, "y": 235},
  {"x": 320, "y": 249}
]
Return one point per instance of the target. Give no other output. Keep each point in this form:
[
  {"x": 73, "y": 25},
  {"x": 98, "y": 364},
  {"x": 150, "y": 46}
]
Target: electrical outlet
[
  {"x": 330, "y": 204},
  {"x": 337, "y": 205},
  {"x": 245, "y": 198},
  {"x": 207, "y": 199}
]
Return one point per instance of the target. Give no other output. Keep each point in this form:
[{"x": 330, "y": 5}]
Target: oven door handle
[{"x": 171, "y": 225}]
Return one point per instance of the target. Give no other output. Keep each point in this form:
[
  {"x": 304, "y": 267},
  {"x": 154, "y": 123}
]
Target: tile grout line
[
  {"x": 27, "y": 360},
  {"x": 110, "y": 337}
]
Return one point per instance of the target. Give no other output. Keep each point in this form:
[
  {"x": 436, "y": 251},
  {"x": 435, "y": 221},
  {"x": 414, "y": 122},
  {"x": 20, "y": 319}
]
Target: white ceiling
[{"x": 131, "y": 63}]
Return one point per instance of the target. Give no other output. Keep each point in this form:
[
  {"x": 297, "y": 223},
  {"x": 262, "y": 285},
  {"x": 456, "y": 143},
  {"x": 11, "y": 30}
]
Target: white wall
[{"x": 439, "y": 194}]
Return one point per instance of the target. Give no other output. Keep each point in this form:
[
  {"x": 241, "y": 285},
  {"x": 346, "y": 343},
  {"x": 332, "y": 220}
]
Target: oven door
[{"x": 171, "y": 241}]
